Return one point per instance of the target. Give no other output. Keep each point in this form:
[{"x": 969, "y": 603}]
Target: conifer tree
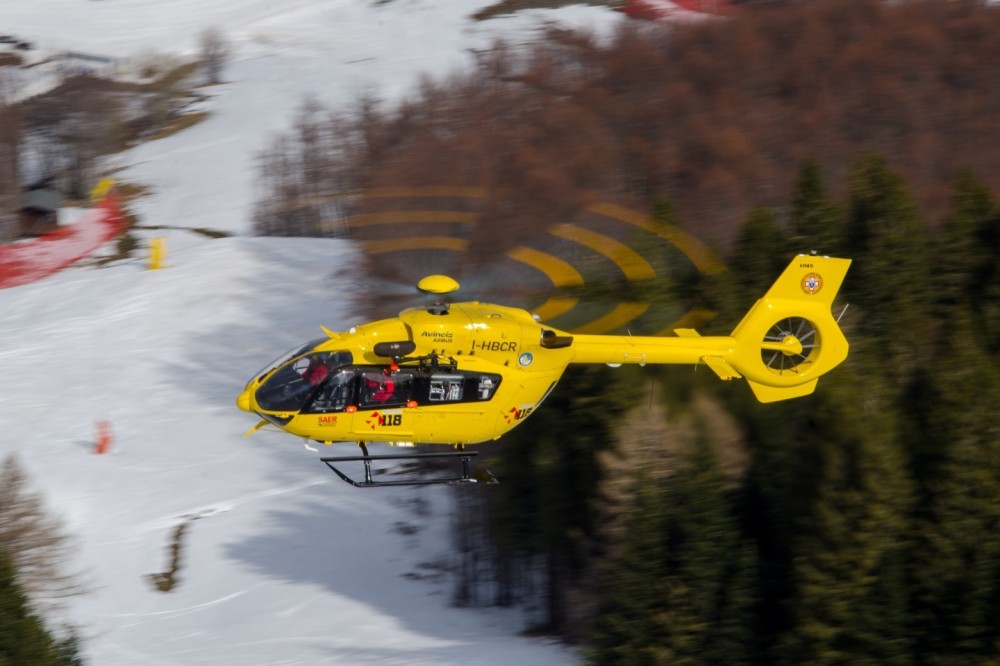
[
  {"x": 815, "y": 220},
  {"x": 670, "y": 288},
  {"x": 956, "y": 584},
  {"x": 761, "y": 253},
  {"x": 850, "y": 600},
  {"x": 681, "y": 591},
  {"x": 960, "y": 259},
  {"x": 963, "y": 253},
  {"x": 777, "y": 498},
  {"x": 779, "y": 483},
  {"x": 708, "y": 614},
  {"x": 889, "y": 279},
  {"x": 968, "y": 261},
  {"x": 23, "y": 637},
  {"x": 627, "y": 631},
  {"x": 551, "y": 470},
  {"x": 955, "y": 435}
]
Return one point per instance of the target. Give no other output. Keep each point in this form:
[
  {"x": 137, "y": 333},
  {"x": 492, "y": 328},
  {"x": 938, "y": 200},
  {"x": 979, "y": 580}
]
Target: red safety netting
[{"x": 21, "y": 263}]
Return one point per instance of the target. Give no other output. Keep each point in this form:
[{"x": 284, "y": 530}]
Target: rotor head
[{"x": 438, "y": 284}]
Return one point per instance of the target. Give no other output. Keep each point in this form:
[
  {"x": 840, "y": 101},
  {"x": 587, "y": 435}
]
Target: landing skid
[{"x": 480, "y": 476}]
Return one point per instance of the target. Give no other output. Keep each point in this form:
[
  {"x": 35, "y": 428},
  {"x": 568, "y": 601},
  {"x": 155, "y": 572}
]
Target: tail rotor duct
[{"x": 790, "y": 345}]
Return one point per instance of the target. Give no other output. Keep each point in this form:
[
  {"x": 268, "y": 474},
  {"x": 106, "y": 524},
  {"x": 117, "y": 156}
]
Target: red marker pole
[{"x": 102, "y": 440}]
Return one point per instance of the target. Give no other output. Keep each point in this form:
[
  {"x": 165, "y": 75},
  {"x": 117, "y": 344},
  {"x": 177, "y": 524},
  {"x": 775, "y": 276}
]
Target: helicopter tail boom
[{"x": 786, "y": 341}]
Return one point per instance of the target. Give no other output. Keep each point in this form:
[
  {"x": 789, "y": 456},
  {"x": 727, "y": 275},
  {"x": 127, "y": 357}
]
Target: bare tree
[
  {"x": 33, "y": 538},
  {"x": 305, "y": 178},
  {"x": 214, "y": 53},
  {"x": 10, "y": 135},
  {"x": 69, "y": 128}
]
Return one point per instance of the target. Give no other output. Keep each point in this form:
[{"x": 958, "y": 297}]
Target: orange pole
[{"x": 102, "y": 441}]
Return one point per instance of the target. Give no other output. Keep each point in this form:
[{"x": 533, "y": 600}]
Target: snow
[{"x": 281, "y": 562}]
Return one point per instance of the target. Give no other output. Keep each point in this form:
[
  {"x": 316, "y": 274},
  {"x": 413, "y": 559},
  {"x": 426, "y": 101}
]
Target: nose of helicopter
[{"x": 243, "y": 400}]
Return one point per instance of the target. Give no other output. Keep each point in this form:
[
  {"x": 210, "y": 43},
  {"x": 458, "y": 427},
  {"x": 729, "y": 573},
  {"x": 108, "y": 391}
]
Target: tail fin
[{"x": 789, "y": 338}]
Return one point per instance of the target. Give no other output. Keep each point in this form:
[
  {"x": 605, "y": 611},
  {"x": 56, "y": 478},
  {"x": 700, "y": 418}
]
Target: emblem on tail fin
[{"x": 812, "y": 283}]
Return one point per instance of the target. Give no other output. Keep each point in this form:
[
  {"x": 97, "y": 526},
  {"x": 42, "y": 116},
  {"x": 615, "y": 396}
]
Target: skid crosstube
[{"x": 369, "y": 482}]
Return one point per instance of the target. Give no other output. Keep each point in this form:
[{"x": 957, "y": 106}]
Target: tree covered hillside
[
  {"x": 717, "y": 117},
  {"x": 658, "y": 516}
]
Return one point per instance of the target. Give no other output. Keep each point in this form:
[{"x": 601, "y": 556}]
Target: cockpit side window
[
  {"x": 335, "y": 395},
  {"x": 314, "y": 368}
]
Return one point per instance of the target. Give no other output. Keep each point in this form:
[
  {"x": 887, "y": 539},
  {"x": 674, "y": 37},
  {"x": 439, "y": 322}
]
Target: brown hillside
[{"x": 718, "y": 117}]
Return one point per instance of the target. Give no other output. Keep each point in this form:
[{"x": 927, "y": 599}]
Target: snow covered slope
[{"x": 281, "y": 563}]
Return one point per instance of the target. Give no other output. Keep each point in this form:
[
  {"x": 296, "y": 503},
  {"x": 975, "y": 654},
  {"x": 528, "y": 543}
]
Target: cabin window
[
  {"x": 381, "y": 389},
  {"x": 446, "y": 388},
  {"x": 487, "y": 385},
  {"x": 456, "y": 387}
]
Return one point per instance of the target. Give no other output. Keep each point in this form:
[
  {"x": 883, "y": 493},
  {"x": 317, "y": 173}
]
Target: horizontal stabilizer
[
  {"x": 720, "y": 367},
  {"x": 718, "y": 364}
]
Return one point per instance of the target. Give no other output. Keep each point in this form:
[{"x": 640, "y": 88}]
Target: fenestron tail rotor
[{"x": 790, "y": 345}]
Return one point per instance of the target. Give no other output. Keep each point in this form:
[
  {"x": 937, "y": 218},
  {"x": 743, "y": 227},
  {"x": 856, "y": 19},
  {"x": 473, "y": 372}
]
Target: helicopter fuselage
[{"x": 463, "y": 374}]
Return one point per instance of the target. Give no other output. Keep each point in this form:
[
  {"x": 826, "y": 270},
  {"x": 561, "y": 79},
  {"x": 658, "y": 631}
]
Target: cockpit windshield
[
  {"x": 284, "y": 358},
  {"x": 291, "y": 385}
]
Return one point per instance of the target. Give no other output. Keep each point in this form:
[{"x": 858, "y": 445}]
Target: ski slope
[{"x": 280, "y": 562}]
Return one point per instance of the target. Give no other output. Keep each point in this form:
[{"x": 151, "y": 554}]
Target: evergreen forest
[
  {"x": 659, "y": 516},
  {"x": 656, "y": 515}
]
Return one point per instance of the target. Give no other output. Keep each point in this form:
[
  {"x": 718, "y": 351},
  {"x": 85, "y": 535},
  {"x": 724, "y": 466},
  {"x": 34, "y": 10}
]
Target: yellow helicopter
[{"x": 467, "y": 372}]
